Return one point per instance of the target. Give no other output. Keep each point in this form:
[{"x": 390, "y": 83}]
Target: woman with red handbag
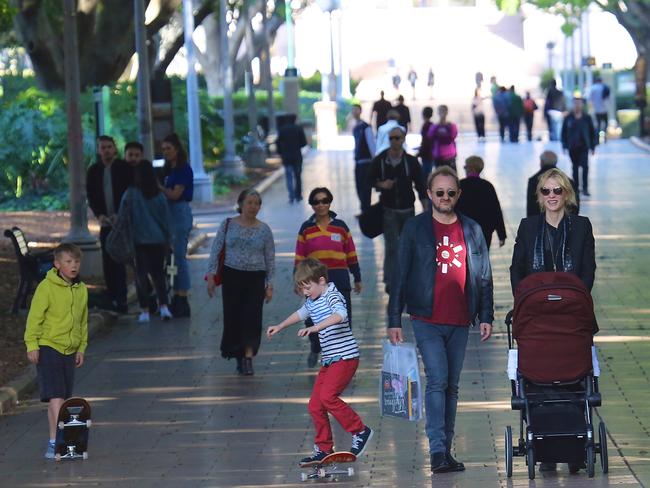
[{"x": 243, "y": 260}]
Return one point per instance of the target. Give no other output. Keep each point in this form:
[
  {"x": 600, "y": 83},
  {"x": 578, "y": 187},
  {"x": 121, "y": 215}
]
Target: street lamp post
[
  {"x": 202, "y": 183},
  {"x": 144, "y": 89}
]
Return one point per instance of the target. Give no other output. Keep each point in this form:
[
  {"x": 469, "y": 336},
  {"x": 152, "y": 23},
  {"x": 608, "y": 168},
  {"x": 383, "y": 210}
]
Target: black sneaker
[
  {"x": 316, "y": 457},
  {"x": 360, "y": 441},
  {"x": 439, "y": 463},
  {"x": 453, "y": 464}
]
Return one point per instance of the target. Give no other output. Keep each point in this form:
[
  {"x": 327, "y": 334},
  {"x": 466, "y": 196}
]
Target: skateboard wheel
[
  {"x": 350, "y": 471},
  {"x": 61, "y": 425},
  {"x": 89, "y": 423},
  {"x": 303, "y": 476},
  {"x": 322, "y": 473},
  {"x": 85, "y": 455}
]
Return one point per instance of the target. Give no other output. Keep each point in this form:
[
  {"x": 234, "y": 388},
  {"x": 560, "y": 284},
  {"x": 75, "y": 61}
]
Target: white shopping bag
[{"x": 400, "y": 389}]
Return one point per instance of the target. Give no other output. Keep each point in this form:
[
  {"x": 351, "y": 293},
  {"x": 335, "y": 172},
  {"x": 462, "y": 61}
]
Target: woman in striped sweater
[{"x": 328, "y": 239}]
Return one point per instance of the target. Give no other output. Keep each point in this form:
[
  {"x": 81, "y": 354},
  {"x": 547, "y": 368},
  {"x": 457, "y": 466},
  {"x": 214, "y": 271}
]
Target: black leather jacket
[{"x": 413, "y": 281}]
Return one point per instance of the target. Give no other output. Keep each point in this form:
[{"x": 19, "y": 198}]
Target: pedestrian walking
[
  {"x": 430, "y": 82},
  {"x": 413, "y": 78},
  {"x": 247, "y": 279},
  {"x": 425, "y": 143},
  {"x": 547, "y": 160},
  {"x": 479, "y": 201},
  {"x": 478, "y": 113},
  {"x": 383, "y": 140},
  {"x": 500, "y": 103},
  {"x": 554, "y": 107},
  {"x": 397, "y": 80},
  {"x": 327, "y": 238},
  {"x": 443, "y": 277},
  {"x": 106, "y": 182},
  {"x": 394, "y": 173},
  {"x": 515, "y": 113},
  {"x": 326, "y": 307},
  {"x": 554, "y": 240},
  {"x": 178, "y": 188},
  {"x": 579, "y": 138},
  {"x": 599, "y": 99},
  {"x": 151, "y": 231},
  {"x": 443, "y": 140},
  {"x": 404, "y": 113},
  {"x": 291, "y": 139},
  {"x": 56, "y": 334},
  {"x": 364, "y": 149},
  {"x": 380, "y": 110},
  {"x": 529, "y": 115}
]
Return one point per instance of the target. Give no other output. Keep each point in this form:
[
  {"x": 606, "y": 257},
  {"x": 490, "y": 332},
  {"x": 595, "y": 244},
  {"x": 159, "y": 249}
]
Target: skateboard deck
[
  {"x": 328, "y": 466},
  {"x": 73, "y": 423}
]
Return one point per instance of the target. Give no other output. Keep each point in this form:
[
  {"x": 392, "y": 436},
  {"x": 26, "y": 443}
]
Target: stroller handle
[{"x": 508, "y": 322}]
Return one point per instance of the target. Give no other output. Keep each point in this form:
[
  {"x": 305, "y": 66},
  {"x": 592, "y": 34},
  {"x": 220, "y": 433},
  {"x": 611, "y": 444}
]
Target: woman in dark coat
[{"x": 556, "y": 239}]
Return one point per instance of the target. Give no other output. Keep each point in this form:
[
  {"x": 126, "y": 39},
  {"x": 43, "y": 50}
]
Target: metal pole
[
  {"x": 288, "y": 22},
  {"x": 202, "y": 184},
  {"x": 76, "y": 168},
  {"x": 144, "y": 88},
  {"x": 270, "y": 102},
  {"x": 230, "y": 164},
  {"x": 583, "y": 64}
]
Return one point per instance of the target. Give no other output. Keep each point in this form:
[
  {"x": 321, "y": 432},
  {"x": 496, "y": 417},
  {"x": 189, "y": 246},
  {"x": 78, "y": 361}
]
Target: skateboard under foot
[{"x": 328, "y": 467}]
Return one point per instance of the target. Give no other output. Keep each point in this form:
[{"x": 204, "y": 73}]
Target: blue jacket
[
  {"x": 413, "y": 279},
  {"x": 150, "y": 218}
]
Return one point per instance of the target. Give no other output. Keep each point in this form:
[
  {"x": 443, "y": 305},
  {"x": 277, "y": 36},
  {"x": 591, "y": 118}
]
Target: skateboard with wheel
[
  {"x": 328, "y": 466},
  {"x": 73, "y": 423}
]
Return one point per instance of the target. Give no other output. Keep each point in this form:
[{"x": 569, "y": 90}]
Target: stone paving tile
[{"x": 169, "y": 412}]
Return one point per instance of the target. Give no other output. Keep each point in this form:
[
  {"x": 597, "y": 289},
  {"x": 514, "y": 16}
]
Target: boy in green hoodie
[{"x": 56, "y": 335}]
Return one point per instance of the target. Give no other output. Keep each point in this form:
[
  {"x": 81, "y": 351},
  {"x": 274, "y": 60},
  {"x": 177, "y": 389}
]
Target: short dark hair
[
  {"x": 427, "y": 112},
  {"x": 357, "y": 105},
  {"x": 67, "y": 247},
  {"x": 245, "y": 194},
  {"x": 309, "y": 270},
  {"x": 316, "y": 191},
  {"x": 106, "y": 138},
  {"x": 133, "y": 145}
]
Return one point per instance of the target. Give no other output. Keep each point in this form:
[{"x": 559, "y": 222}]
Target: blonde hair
[
  {"x": 67, "y": 247},
  {"x": 309, "y": 270},
  {"x": 565, "y": 183}
]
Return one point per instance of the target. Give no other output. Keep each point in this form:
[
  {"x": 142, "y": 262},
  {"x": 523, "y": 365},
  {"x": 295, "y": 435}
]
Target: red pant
[{"x": 330, "y": 383}]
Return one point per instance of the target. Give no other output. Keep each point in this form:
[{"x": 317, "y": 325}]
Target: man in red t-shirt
[{"x": 443, "y": 276}]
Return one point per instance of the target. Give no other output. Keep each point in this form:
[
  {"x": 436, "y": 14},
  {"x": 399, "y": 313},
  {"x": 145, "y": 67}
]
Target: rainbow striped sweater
[{"x": 333, "y": 246}]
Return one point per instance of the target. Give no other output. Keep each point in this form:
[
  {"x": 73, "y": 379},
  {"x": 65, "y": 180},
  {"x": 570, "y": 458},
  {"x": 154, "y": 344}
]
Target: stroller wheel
[
  {"x": 530, "y": 460},
  {"x": 602, "y": 440},
  {"x": 509, "y": 453},
  {"x": 591, "y": 459}
]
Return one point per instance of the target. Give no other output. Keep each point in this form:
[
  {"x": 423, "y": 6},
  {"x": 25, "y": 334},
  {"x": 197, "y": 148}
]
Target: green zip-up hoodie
[{"x": 58, "y": 316}]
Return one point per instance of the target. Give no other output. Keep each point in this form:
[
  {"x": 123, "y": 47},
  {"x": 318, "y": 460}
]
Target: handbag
[
  {"x": 371, "y": 221},
  {"x": 218, "y": 276},
  {"x": 119, "y": 242}
]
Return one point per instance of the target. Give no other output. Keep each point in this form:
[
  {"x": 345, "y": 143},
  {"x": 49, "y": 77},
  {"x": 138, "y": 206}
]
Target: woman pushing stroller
[{"x": 556, "y": 240}]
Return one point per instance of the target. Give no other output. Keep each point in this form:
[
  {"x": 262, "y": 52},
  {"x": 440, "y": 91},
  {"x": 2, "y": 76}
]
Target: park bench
[{"x": 32, "y": 266}]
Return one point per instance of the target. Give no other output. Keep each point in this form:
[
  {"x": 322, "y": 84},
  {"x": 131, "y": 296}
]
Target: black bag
[
  {"x": 119, "y": 242},
  {"x": 371, "y": 221}
]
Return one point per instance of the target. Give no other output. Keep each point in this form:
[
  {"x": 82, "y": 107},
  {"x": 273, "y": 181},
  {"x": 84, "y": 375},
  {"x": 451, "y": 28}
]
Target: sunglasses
[
  {"x": 395, "y": 138},
  {"x": 547, "y": 191},
  {"x": 441, "y": 193},
  {"x": 322, "y": 201}
]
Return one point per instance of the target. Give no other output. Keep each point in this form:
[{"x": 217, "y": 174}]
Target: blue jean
[
  {"x": 442, "y": 348},
  {"x": 181, "y": 224},
  {"x": 292, "y": 174}
]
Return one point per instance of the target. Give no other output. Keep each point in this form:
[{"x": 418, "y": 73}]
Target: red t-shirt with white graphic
[{"x": 449, "y": 304}]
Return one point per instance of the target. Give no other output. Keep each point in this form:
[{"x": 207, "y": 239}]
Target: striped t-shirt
[{"x": 336, "y": 341}]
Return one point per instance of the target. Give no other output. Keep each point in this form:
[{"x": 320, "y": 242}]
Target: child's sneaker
[
  {"x": 360, "y": 441},
  {"x": 165, "y": 314},
  {"x": 51, "y": 447},
  {"x": 316, "y": 457},
  {"x": 143, "y": 317}
]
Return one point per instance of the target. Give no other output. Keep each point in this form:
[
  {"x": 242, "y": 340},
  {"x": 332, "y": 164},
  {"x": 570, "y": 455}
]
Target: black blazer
[
  {"x": 478, "y": 200},
  {"x": 581, "y": 246},
  {"x": 121, "y": 176}
]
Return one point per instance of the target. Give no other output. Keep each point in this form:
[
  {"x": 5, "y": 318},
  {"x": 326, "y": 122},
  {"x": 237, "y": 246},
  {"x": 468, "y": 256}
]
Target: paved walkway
[{"x": 169, "y": 412}]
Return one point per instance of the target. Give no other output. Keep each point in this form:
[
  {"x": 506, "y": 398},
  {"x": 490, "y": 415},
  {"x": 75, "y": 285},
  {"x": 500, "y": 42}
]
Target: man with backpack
[{"x": 599, "y": 97}]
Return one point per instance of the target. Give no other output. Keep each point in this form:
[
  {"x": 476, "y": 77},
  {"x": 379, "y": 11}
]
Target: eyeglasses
[
  {"x": 450, "y": 193},
  {"x": 322, "y": 201},
  {"x": 547, "y": 191},
  {"x": 395, "y": 138}
]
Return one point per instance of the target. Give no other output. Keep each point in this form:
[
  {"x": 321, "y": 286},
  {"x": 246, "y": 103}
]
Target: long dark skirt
[{"x": 243, "y": 298}]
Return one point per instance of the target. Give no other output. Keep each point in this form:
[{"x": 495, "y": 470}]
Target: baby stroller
[{"x": 554, "y": 374}]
